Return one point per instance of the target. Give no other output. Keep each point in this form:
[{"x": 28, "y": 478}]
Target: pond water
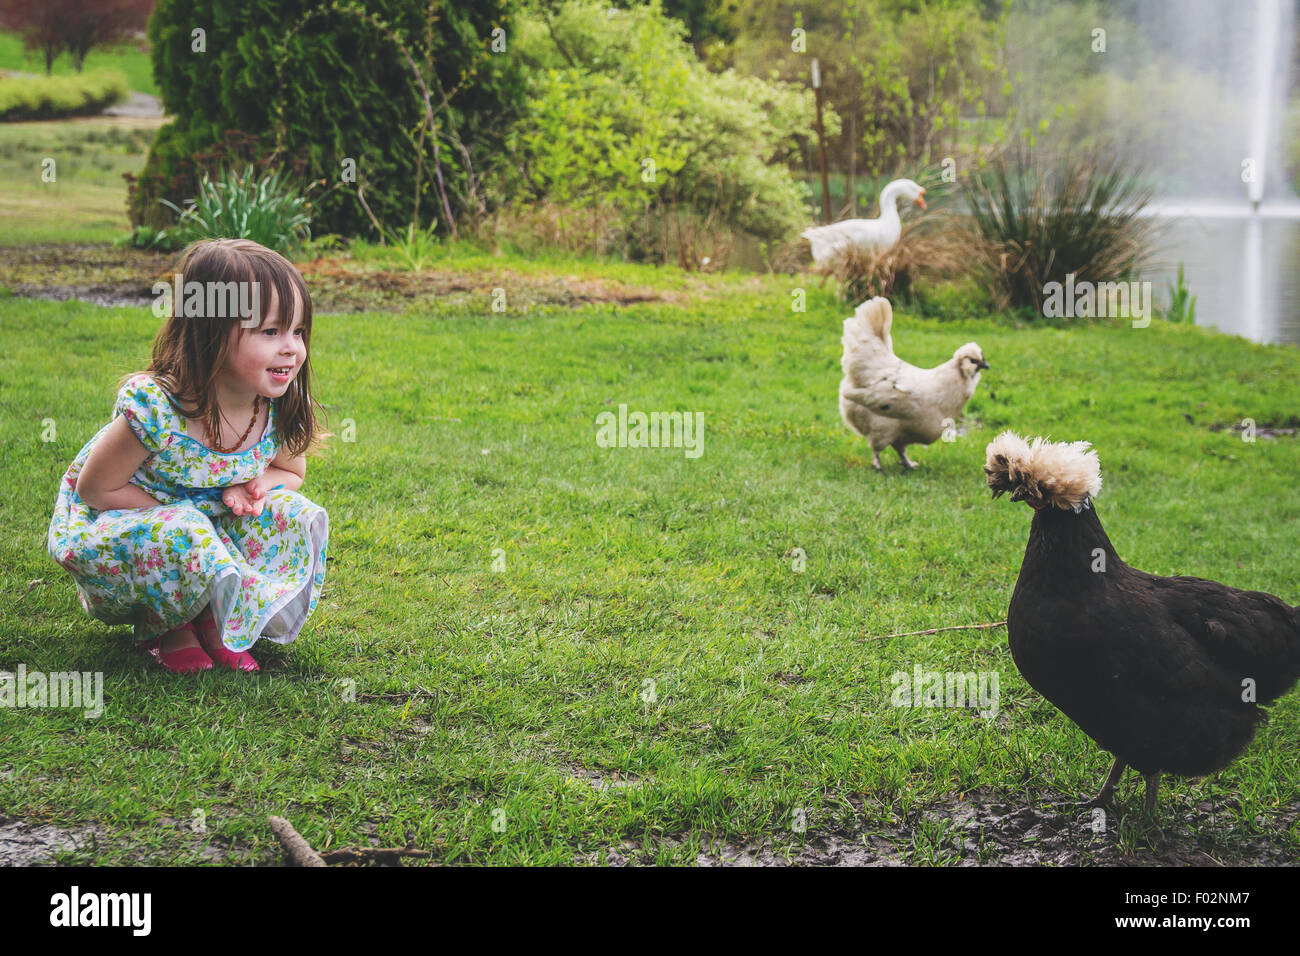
[
  {"x": 1242, "y": 265},
  {"x": 1210, "y": 84}
]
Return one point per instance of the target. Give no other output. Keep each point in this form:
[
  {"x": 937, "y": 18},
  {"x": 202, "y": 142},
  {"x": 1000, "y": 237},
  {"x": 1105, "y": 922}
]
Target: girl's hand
[
  {"x": 258, "y": 488},
  {"x": 246, "y": 499}
]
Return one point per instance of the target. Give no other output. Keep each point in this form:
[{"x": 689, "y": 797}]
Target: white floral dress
[{"x": 157, "y": 567}]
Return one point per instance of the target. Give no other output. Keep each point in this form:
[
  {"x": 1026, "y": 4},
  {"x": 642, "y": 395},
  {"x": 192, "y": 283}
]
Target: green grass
[
  {"x": 130, "y": 59},
  {"x": 480, "y": 691},
  {"x": 87, "y": 200}
]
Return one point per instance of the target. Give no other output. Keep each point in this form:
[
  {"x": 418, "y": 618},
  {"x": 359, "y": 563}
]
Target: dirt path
[
  {"x": 139, "y": 105},
  {"x": 109, "y": 276}
]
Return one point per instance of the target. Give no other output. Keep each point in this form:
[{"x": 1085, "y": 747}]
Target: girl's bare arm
[
  {"x": 104, "y": 483},
  {"x": 286, "y": 470}
]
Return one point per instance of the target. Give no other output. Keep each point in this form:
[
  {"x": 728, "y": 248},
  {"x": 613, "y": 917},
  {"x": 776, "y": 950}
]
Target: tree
[
  {"x": 78, "y": 26},
  {"x": 40, "y": 23},
  {"x": 103, "y": 22}
]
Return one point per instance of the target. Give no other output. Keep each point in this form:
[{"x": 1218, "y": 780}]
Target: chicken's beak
[
  {"x": 920, "y": 199},
  {"x": 982, "y": 364}
]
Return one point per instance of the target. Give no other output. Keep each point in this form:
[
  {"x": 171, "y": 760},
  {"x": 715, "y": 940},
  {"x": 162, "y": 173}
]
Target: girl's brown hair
[{"x": 190, "y": 351}]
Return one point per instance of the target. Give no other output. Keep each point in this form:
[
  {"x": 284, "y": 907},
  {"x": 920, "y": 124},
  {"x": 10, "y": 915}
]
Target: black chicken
[{"x": 1167, "y": 674}]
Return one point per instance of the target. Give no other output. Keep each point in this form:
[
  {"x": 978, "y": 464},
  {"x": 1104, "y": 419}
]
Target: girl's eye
[{"x": 299, "y": 332}]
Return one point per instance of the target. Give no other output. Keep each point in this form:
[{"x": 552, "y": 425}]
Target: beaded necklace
[{"x": 216, "y": 440}]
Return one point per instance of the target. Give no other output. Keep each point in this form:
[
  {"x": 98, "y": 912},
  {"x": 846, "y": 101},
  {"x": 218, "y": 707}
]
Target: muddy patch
[
  {"x": 37, "y": 844},
  {"x": 603, "y": 779},
  {"x": 340, "y": 286},
  {"x": 1270, "y": 431},
  {"x": 203, "y": 848},
  {"x": 90, "y": 272},
  {"x": 94, "y": 294},
  {"x": 820, "y": 850},
  {"x": 782, "y": 678},
  {"x": 833, "y": 849},
  {"x": 1053, "y": 831},
  {"x": 983, "y": 828},
  {"x": 24, "y": 843},
  {"x": 107, "y": 275}
]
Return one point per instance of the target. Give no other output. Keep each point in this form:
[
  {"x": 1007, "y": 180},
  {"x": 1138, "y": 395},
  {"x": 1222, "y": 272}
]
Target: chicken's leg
[
  {"x": 902, "y": 454},
  {"x": 875, "y": 460},
  {"x": 1102, "y": 799},
  {"x": 1153, "y": 787},
  {"x": 1108, "y": 788}
]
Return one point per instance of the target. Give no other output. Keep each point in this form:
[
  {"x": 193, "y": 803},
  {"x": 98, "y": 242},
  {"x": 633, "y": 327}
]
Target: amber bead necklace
[{"x": 216, "y": 440}]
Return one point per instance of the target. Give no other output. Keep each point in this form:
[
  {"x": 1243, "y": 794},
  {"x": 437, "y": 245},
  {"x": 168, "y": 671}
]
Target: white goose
[{"x": 872, "y": 236}]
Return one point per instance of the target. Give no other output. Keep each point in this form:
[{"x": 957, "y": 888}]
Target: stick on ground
[
  {"x": 936, "y": 630},
  {"x": 384, "y": 856},
  {"x": 299, "y": 850}
]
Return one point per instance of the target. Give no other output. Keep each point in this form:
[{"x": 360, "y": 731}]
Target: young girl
[{"x": 182, "y": 515}]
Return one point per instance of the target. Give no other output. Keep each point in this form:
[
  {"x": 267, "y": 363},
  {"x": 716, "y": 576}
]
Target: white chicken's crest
[{"x": 1065, "y": 475}]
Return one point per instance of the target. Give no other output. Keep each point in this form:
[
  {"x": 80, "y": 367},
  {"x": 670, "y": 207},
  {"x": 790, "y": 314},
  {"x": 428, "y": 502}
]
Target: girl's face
[{"x": 266, "y": 360}]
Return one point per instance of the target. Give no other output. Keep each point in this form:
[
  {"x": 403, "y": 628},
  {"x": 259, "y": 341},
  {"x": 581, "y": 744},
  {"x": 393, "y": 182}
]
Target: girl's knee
[{"x": 291, "y": 503}]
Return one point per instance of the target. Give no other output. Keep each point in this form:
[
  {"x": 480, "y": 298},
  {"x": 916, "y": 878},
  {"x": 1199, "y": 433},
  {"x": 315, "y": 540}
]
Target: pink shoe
[
  {"x": 183, "y": 660},
  {"x": 207, "y": 625}
]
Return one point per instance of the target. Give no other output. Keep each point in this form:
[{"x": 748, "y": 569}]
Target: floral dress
[{"x": 157, "y": 567}]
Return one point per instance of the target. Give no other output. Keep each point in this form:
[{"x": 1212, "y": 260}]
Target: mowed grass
[
  {"x": 649, "y": 623},
  {"x": 86, "y": 201},
  {"x": 130, "y": 58}
]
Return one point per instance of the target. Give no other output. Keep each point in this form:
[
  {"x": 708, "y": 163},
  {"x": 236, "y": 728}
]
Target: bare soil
[
  {"x": 111, "y": 276},
  {"x": 982, "y": 828}
]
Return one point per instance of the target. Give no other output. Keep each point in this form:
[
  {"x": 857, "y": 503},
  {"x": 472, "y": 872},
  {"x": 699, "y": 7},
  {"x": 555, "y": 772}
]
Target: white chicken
[
  {"x": 873, "y": 237},
  {"x": 891, "y": 403}
]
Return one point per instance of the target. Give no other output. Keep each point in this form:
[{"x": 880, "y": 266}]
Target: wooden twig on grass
[
  {"x": 301, "y": 853},
  {"x": 936, "y": 630},
  {"x": 384, "y": 856},
  {"x": 299, "y": 850}
]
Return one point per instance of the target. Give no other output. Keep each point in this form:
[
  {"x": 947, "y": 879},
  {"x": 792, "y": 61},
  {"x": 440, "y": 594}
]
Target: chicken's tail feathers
[
  {"x": 866, "y": 338},
  {"x": 1065, "y": 475},
  {"x": 869, "y": 326}
]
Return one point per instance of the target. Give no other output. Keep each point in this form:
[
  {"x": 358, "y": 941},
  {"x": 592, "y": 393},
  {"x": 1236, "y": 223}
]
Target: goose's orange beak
[{"x": 920, "y": 199}]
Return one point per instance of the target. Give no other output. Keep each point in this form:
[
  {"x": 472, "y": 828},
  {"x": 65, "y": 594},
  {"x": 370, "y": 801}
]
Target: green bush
[
  {"x": 1041, "y": 220},
  {"x": 53, "y": 97},
  {"x": 305, "y": 86},
  {"x": 624, "y": 122},
  {"x": 245, "y": 206},
  {"x": 954, "y": 299}
]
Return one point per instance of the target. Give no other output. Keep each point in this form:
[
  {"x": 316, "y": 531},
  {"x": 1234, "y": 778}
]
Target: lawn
[
  {"x": 86, "y": 202},
  {"x": 646, "y": 673}
]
